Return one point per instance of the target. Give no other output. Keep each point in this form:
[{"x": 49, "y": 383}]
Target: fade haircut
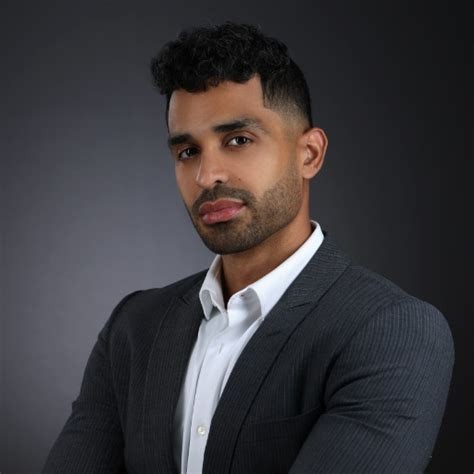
[{"x": 205, "y": 56}]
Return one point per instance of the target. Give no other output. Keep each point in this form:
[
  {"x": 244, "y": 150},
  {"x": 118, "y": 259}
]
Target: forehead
[{"x": 200, "y": 110}]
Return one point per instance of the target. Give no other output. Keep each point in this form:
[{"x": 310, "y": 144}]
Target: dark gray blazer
[{"x": 347, "y": 374}]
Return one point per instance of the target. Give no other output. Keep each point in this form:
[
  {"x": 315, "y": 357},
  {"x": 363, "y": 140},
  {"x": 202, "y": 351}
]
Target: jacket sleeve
[
  {"x": 92, "y": 440},
  {"x": 385, "y": 395}
]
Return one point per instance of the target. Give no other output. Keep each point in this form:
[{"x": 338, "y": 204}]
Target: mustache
[{"x": 221, "y": 191}]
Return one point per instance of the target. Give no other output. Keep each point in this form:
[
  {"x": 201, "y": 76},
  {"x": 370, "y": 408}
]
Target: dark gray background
[{"x": 90, "y": 210}]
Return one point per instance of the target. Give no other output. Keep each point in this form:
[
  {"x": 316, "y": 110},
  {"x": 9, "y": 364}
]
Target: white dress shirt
[{"x": 222, "y": 336}]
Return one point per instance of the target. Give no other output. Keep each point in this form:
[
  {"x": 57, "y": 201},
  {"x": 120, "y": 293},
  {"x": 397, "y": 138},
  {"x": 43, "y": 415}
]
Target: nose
[{"x": 212, "y": 170}]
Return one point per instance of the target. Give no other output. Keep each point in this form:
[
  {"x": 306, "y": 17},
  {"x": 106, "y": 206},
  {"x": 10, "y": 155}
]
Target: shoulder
[
  {"x": 372, "y": 307},
  {"x": 363, "y": 306},
  {"x": 154, "y": 296},
  {"x": 368, "y": 292},
  {"x": 141, "y": 310}
]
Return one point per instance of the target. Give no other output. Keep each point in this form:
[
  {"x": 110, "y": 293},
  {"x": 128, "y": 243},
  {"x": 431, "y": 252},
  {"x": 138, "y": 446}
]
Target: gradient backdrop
[{"x": 90, "y": 210}]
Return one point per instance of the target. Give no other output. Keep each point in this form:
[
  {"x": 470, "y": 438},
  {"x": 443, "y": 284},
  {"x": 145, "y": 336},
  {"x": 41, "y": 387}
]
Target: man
[{"x": 284, "y": 356}]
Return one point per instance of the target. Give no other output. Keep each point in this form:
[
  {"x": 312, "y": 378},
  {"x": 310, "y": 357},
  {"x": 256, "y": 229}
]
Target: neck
[{"x": 241, "y": 269}]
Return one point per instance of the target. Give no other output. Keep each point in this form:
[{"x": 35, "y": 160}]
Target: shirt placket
[
  {"x": 212, "y": 374},
  {"x": 203, "y": 403}
]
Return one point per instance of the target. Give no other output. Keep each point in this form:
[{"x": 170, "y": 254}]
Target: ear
[{"x": 312, "y": 147}]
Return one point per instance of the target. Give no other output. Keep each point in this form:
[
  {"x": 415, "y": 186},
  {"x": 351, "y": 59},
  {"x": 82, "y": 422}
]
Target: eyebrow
[{"x": 237, "y": 124}]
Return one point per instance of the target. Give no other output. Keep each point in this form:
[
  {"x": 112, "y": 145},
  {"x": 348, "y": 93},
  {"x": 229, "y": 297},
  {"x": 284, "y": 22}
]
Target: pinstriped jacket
[{"x": 347, "y": 373}]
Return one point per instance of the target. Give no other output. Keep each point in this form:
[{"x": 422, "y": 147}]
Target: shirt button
[{"x": 201, "y": 430}]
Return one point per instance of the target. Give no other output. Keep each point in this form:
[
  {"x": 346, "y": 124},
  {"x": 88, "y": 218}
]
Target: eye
[
  {"x": 238, "y": 141},
  {"x": 187, "y": 153}
]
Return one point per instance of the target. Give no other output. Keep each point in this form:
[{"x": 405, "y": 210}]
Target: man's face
[{"x": 235, "y": 163}]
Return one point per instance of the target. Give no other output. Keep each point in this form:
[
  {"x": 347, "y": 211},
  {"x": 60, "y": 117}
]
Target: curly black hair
[{"x": 205, "y": 56}]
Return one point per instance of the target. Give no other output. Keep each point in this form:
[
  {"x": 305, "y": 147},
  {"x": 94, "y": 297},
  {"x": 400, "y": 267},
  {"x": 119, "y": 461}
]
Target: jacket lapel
[
  {"x": 167, "y": 364},
  {"x": 259, "y": 354}
]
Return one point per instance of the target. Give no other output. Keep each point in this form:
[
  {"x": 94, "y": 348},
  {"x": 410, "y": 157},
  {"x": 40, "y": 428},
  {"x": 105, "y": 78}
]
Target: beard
[{"x": 261, "y": 218}]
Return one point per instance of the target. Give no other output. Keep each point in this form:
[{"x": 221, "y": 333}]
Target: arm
[
  {"x": 92, "y": 440},
  {"x": 385, "y": 396}
]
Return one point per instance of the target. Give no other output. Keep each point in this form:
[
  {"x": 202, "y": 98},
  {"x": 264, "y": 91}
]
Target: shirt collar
[
  {"x": 268, "y": 289},
  {"x": 210, "y": 293}
]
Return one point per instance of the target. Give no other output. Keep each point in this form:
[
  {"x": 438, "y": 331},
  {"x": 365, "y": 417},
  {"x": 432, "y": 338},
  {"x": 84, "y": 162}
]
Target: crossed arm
[{"x": 384, "y": 399}]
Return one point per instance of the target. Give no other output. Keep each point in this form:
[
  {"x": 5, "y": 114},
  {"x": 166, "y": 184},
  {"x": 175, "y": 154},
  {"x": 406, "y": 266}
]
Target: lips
[{"x": 220, "y": 211}]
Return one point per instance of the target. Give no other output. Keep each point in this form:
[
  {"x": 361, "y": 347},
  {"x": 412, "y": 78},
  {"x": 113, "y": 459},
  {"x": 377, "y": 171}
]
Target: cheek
[
  {"x": 265, "y": 174},
  {"x": 183, "y": 185}
]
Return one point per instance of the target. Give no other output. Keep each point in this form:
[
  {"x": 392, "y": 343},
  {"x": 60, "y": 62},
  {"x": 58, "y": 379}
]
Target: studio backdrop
[{"x": 90, "y": 208}]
